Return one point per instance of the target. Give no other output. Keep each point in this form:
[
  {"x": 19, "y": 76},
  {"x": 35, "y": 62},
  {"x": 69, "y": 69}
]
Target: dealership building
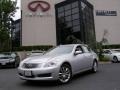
[{"x": 54, "y": 22}]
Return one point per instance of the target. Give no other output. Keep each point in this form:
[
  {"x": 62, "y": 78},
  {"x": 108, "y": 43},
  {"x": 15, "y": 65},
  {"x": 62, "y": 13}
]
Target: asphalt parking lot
[{"x": 108, "y": 78}]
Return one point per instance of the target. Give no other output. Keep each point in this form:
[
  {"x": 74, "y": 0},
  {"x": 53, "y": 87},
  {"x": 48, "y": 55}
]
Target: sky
[{"x": 18, "y": 13}]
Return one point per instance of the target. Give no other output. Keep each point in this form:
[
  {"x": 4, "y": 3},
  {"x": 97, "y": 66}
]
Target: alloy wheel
[
  {"x": 95, "y": 66},
  {"x": 115, "y": 59},
  {"x": 65, "y": 74}
]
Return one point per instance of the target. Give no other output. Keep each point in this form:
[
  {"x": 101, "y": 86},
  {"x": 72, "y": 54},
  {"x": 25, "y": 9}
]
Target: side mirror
[{"x": 77, "y": 52}]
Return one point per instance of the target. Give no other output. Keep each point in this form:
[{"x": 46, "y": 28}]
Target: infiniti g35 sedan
[{"x": 60, "y": 63}]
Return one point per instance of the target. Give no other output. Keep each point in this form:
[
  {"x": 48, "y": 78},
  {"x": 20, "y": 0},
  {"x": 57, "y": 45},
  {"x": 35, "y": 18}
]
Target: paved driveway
[{"x": 108, "y": 78}]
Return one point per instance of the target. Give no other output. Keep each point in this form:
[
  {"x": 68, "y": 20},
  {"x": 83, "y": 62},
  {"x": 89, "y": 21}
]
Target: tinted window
[
  {"x": 61, "y": 14},
  {"x": 75, "y": 4},
  {"x": 75, "y": 16},
  {"x": 68, "y": 18},
  {"x": 75, "y": 10},
  {"x": 67, "y": 7},
  {"x": 85, "y": 49},
  {"x": 76, "y": 28},
  {"x": 68, "y": 12},
  {"x": 76, "y": 22},
  {"x": 61, "y": 9}
]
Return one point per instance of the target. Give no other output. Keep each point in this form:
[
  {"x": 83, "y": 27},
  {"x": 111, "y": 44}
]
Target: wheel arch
[{"x": 67, "y": 63}]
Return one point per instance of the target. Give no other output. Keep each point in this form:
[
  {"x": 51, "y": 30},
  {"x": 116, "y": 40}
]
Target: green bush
[
  {"x": 104, "y": 59},
  {"x": 30, "y": 48},
  {"x": 111, "y": 46}
]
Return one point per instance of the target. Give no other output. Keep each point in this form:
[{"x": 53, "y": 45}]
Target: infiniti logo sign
[{"x": 36, "y": 5}]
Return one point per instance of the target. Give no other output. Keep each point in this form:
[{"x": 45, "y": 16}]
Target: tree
[
  {"x": 7, "y": 11},
  {"x": 101, "y": 43}
]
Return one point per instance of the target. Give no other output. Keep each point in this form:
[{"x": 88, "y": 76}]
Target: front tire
[
  {"x": 65, "y": 74},
  {"x": 16, "y": 62},
  {"x": 95, "y": 67},
  {"x": 115, "y": 59}
]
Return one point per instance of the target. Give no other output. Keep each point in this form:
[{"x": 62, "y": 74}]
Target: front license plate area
[
  {"x": 28, "y": 73},
  {"x": 3, "y": 63}
]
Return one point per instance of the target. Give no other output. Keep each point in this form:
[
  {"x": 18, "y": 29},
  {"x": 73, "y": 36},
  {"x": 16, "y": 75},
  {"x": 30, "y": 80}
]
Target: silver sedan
[{"x": 60, "y": 63}]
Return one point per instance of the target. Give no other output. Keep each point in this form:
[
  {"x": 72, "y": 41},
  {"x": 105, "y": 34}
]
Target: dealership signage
[
  {"x": 106, "y": 13},
  {"x": 38, "y": 9}
]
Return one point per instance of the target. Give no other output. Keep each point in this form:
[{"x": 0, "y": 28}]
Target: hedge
[
  {"x": 111, "y": 46},
  {"x": 30, "y": 48}
]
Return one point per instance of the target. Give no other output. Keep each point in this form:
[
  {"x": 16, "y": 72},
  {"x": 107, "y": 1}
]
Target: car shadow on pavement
[
  {"x": 7, "y": 67},
  {"x": 40, "y": 83},
  {"x": 83, "y": 74}
]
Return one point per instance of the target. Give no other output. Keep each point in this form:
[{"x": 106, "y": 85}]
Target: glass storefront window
[
  {"x": 76, "y": 28},
  {"x": 61, "y": 9},
  {"x": 68, "y": 18},
  {"x": 61, "y": 14},
  {"x": 68, "y": 12},
  {"x": 67, "y": 7},
  {"x": 75, "y": 16},
  {"x": 69, "y": 24},
  {"x": 75, "y": 4},
  {"x": 76, "y": 22},
  {"x": 75, "y": 10}
]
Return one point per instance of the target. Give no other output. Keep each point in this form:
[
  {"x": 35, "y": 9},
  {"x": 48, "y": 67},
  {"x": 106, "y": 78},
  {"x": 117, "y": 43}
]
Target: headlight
[
  {"x": 12, "y": 59},
  {"x": 50, "y": 64}
]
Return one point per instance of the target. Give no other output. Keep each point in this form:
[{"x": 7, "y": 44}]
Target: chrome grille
[{"x": 30, "y": 65}]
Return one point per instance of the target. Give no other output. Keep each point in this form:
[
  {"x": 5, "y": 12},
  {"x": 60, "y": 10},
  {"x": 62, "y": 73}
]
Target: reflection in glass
[
  {"x": 75, "y": 4},
  {"x": 75, "y": 16},
  {"x": 76, "y": 22},
  {"x": 75, "y": 10},
  {"x": 67, "y": 7},
  {"x": 68, "y": 18},
  {"x": 61, "y": 9},
  {"x": 68, "y": 12}
]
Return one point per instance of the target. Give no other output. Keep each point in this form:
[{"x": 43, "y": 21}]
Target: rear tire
[{"x": 65, "y": 74}]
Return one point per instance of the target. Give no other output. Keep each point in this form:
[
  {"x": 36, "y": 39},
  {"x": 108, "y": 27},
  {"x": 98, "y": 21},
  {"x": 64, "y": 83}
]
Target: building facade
[
  {"x": 40, "y": 21},
  {"x": 106, "y": 16},
  {"x": 75, "y": 22}
]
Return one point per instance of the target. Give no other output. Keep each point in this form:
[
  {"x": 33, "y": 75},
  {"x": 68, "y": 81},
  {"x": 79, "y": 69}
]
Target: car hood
[
  {"x": 118, "y": 54},
  {"x": 45, "y": 58}
]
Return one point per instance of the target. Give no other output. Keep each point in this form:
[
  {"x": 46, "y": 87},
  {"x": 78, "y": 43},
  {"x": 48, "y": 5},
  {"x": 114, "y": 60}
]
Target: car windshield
[
  {"x": 5, "y": 56},
  {"x": 113, "y": 51},
  {"x": 60, "y": 50}
]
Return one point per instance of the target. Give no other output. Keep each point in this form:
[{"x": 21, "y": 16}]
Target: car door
[
  {"x": 88, "y": 56},
  {"x": 79, "y": 60},
  {"x": 107, "y": 54}
]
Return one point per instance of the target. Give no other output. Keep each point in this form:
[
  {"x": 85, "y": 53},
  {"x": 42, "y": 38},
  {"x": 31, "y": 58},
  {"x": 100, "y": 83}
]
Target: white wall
[
  {"x": 110, "y": 23},
  {"x": 38, "y": 30},
  {"x": 42, "y": 30}
]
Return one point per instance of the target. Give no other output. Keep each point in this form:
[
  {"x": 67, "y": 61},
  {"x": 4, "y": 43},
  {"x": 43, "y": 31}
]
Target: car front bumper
[
  {"x": 39, "y": 74},
  {"x": 6, "y": 62}
]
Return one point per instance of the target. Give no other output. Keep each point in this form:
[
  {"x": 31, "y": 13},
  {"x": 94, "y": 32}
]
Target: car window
[
  {"x": 107, "y": 52},
  {"x": 60, "y": 50},
  {"x": 86, "y": 49},
  {"x": 79, "y": 48}
]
